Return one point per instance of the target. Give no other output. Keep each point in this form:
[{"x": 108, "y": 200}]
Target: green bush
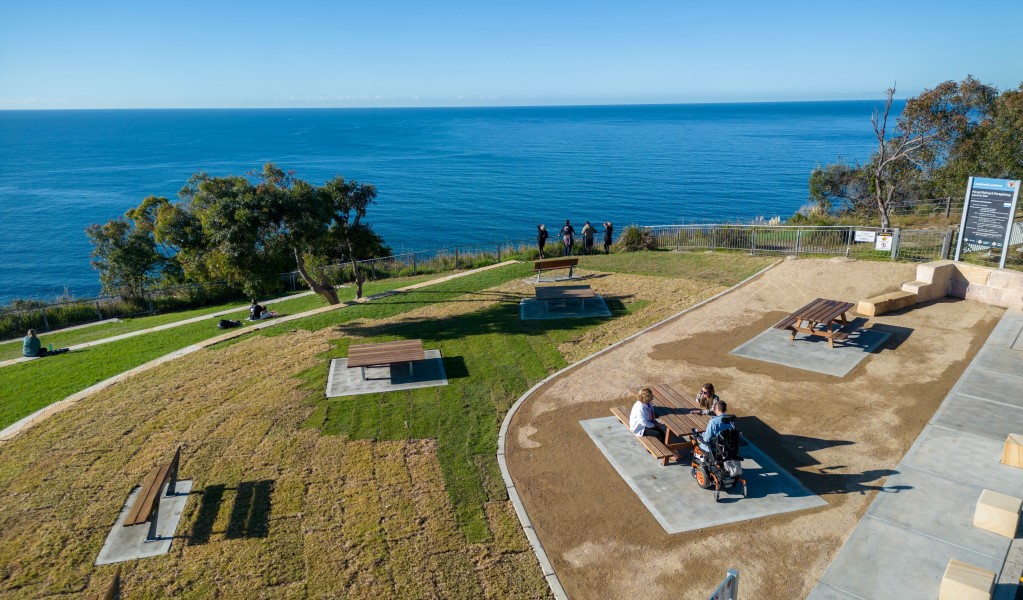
[{"x": 635, "y": 238}]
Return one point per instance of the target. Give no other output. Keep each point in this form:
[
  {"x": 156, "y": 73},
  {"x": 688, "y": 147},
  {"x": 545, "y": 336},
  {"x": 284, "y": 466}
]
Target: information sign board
[
  {"x": 884, "y": 242},
  {"x": 865, "y": 236},
  {"x": 987, "y": 214}
]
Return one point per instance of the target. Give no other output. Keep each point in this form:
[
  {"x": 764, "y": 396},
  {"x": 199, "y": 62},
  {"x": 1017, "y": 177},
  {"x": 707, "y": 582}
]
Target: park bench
[
  {"x": 112, "y": 591},
  {"x": 555, "y": 263},
  {"x": 147, "y": 504},
  {"x": 830, "y": 314},
  {"x": 564, "y": 294},
  {"x": 385, "y": 354},
  {"x": 675, "y": 412}
]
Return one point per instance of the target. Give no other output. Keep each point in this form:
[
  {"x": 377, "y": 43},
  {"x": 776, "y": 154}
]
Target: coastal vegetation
[
  {"x": 942, "y": 137},
  {"x": 242, "y": 230},
  {"x": 299, "y": 495}
]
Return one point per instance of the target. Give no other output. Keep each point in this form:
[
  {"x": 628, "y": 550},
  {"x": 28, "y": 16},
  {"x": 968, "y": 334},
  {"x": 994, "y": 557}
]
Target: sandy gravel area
[{"x": 840, "y": 437}]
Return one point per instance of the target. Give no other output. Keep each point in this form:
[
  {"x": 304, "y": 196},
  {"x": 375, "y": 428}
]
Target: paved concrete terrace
[
  {"x": 924, "y": 517},
  {"x": 811, "y": 352},
  {"x": 342, "y": 381},
  {"x": 672, "y": 496}
]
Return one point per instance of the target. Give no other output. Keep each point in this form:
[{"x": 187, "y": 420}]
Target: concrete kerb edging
[
  {"x": 513, "y": 495},
  {"x": 47, "y": 411}
]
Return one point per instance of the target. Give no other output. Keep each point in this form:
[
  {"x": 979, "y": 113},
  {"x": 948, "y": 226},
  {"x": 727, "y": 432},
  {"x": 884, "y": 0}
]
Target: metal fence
[{"x": 906, "y": 244}]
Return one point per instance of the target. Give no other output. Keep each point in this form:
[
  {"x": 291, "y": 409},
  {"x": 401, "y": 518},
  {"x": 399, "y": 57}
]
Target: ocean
[{"x": 444, "y": 176}]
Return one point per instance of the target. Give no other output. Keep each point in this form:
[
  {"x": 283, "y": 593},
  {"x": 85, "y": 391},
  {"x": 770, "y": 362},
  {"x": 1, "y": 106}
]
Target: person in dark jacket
[
  {"x": 607, "y": 237},
  {"x": 541, "y": 238},
  {"x": 568, "y": 237}
]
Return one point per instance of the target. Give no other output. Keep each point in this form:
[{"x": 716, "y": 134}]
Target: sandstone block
[
  {"x": 965, "y": 582},
  {"x": 886, "y": 303},
  {"x": 1012, "y": 451},
  {"x": 997, "y": 513}
]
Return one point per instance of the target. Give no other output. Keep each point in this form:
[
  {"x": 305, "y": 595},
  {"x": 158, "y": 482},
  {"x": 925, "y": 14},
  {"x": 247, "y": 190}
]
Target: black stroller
[{"x": 722, "y": 467}]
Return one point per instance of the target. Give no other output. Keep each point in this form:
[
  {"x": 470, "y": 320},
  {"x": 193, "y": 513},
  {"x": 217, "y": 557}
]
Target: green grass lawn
[
  {"x": 29, "y": 386},
  {"x": 62, "y": 339},
  {"x": 491, "y": 358}
]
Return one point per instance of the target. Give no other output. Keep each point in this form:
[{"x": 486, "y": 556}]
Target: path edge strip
[
  {"x": 49, "y": 410},
  {"x": 513, "y": 495}
]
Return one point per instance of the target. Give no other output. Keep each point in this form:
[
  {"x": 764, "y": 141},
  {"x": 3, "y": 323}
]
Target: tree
[
  {"x": 893, "y": 164},
  {"x": 126, "y": 257},
  {"x": 247, "y": 232}
]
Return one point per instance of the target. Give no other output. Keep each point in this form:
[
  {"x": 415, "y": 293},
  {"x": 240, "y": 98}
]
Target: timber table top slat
[
  {"x": 564, "y": 292},
  {"x": 386, "y": 353}
]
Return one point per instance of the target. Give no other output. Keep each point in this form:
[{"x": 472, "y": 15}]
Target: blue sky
[{"x": 402, "y": 53}]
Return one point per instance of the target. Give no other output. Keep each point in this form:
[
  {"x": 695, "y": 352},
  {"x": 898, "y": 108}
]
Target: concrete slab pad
[
  {"x": 129, "y": 543},
  {"x": 937, "y": 507},
  {"x": 1008, "y": 331},
  {"x": 826, "y": 592},
  {"x": 992, "y": 385},
  {"x": 983, "y": 418},
  {"x": 342, "y": 381},
  {"x": 964, "y": 457},
  {"x": 999, "y": 359},
  {"x": 671, "y": 495},
  {"x": 881, "y": 561},
  {"x": 530, "y": 309},
  {"x": 811, "y": 353}
]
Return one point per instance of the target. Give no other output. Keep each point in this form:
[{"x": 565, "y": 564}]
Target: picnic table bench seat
[
  {"x": 555, "y": 263},
  {"x": 653, "y": 445}
]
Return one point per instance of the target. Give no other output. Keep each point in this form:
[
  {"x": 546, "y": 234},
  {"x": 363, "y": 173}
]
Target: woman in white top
[{"x": 641, "y": 419}]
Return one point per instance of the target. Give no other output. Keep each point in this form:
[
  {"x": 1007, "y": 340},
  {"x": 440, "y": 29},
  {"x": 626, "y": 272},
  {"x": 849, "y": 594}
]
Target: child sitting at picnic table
[
  {"x": 641, "y": 419},
  {"x": 706, "y": 399}
]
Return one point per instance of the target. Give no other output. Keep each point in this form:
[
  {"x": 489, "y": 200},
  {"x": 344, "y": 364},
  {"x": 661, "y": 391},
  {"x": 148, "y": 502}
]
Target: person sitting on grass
[
  {"x": 257, "y": 312},
  {"x": 31, "y": 347},
  {"x": 706, "y": 399},
  {"x": 641, "y": 420},
  {"x": 719, "y": 423}
]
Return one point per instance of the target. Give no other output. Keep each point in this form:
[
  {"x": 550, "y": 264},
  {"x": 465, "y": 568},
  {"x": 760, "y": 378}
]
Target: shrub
[{"x": 635, "y": 238}]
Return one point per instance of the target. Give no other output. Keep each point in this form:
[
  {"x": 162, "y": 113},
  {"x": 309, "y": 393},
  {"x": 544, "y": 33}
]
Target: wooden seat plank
[
  {"x": 385, "y": 353},
  {"x": 144, "y": 502},
  {"x": 555, "y": 263}
]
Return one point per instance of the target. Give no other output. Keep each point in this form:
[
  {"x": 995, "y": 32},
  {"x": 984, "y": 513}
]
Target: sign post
[
  {"x": 729, "y": 588},
  {"x": 987, "y": 215}
]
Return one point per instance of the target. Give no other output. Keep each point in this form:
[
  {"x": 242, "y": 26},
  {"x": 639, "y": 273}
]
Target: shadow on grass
[{"x": 250, "y": 512}]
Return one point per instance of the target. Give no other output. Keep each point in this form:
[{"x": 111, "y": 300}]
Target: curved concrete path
[
  {"x": 45, "y": 412},
  {"x": 513, "y": 495}
]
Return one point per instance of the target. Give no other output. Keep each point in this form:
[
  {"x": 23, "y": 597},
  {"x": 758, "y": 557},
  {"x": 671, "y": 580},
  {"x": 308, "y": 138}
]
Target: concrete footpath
[{"x": 924, "y": 516}]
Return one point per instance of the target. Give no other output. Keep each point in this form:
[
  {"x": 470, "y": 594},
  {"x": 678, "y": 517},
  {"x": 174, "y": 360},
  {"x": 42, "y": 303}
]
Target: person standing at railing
[
  {"x": 568, "y": 237},
  {"x": 588, "y": 231},
  {"x": 607, "y": 237},
  {"x": 541, "y": 238}
]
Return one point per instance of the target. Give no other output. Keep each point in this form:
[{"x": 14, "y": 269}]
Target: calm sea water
[{"x": 444, "y": 176}]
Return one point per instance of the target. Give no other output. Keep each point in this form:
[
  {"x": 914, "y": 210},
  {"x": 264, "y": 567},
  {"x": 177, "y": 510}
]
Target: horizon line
[{"x": 450, "y": 107}]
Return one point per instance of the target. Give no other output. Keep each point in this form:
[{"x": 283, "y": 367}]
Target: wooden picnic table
[
  {"x": 385, "y": 354},
  {"x": 563, "y": 294},
  {"x": 829, "y": 315},
  {"x": 679, "y": 416}
]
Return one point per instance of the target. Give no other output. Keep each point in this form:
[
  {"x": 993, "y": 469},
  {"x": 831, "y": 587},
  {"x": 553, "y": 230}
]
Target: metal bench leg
[
  {"x": 363, "y": 373},
  {"x": 411, "y": 368},
  {"x": 538, "y": 273},
  {"x": 153, "y": 519}
]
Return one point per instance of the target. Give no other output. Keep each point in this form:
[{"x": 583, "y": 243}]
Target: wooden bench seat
[
  {"x": 147, "y": 504},
  {"x": 653, "y": 445},
  {"x": 555, "y": 263}
]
